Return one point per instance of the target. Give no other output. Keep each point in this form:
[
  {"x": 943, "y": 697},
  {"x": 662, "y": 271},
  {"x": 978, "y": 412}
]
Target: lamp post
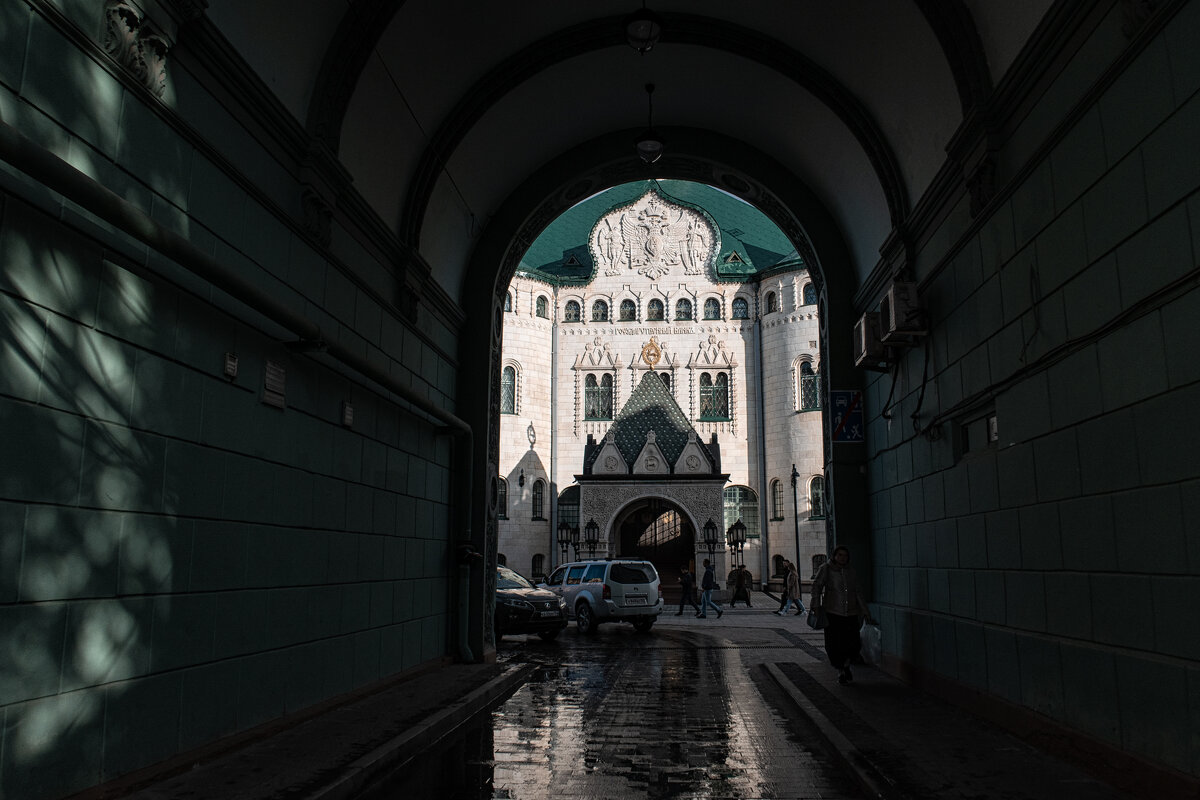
[
  {"x": 591, "y": 534},
  {"x": 710, "y": 536},
  {"x": 575, "y": 540},
  {"x": 736, "y": 536},
  {"x": 564, "y": 537},
  {"x": 796, "y": 513}
]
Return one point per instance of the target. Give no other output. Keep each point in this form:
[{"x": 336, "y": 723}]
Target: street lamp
[
  {"x": 575, "y": 540},
  {"x": 591, "y": 533},
  {"x": 564, "y": 537},
  {"x": 736, "y": 536},
  {"x": 710, "y": 536},
  {"x": 796, "y": 513}
]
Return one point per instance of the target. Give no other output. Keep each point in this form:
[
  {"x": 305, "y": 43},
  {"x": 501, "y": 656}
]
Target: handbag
[
  {"x": 816, "y": 618},
  {"x": 871, "y": 642}
]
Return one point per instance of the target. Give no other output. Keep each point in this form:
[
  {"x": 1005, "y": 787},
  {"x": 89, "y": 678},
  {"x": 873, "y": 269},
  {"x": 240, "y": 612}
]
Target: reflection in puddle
[{"x": 627, "y": 722}]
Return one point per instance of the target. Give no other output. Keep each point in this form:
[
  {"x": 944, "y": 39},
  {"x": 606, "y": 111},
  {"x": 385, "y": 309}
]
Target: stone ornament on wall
[
  {"x": 137, "y": 43},
  {"x": 652, "y": 236}
]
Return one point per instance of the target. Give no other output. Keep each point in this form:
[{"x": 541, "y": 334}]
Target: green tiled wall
[{"x": 1053, "y": 569}]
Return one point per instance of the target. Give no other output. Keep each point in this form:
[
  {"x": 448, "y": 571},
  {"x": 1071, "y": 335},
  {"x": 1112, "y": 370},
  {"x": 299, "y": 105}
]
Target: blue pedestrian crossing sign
[{"x": 847, "y": 416}]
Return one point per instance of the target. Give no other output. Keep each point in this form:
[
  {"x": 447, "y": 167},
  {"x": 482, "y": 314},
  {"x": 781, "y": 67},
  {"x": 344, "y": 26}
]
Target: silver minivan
[{"x": 612, "y": 590}]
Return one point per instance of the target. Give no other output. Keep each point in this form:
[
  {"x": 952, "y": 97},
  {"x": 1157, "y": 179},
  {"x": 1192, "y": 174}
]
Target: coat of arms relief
[{"x": 653, "y": 236}]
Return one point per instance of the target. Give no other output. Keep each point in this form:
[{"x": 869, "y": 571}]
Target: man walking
[
  {"x": 707, "y": 584},
  {"x": 687, "y": 587}
]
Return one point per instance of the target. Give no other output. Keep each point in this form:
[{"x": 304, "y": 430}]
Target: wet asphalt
[{"x": 683, "y": 711}]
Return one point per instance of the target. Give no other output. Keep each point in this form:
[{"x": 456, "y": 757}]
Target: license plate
[
  {"x": 549, "y": 613},
  {"x": 638, "y": 600}
]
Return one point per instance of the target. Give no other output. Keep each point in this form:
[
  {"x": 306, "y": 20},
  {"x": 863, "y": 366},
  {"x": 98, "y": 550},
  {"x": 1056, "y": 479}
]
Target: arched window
[
  {"x": 683, "y": 309},
  {"x": 741, "y": 502},
  {"x": 502, "y": 499},
  {"x": 776, "y": 499},
  {"x": 810, "y": 294},
  {"x": 597, "y": 397},
  {"x": 816, "y": 498},
  {"x": 539, "y": 498},
  {"x": 778, "y": 566},
  {"x": 666, "y": 379},
  {"x": 628, "y": 311},
  {"x": 741, "y": 309},
  {"x": 599, "y": 311},
  {"x": 508, "y": 391},
  {"x": 508, "y": 301},
  {"x": 654, "y": 310},
  {"x": 537, "y": 569},
  {"x": 809, "y": 388},
  {"x": 772, "y": 302},
  {"x": 712, "y": 308},
  {"x": 543, "y": 307},
  {"x": 571, "y": 312},
  {"x": 714, "y": 396}
]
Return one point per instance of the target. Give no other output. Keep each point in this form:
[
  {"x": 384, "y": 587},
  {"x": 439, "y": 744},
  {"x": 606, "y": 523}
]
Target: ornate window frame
[
  {"x": 509, "y": 364},
  {"x": 776, "y": 500},
  {"x": 816, "y": 497},
  {"x": 713, "y": 302},
  {"x": 542, "y": 305},
  {"x": 572, "y": 304}
]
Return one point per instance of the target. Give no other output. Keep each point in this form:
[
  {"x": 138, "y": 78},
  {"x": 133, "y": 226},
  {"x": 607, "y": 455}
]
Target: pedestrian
[
  {"x": 687, "y": 587},
  {"x": 837, "y": 592},
  {"x": 741, "y": 586},
  {"x": 791, "y": 594},
  {"x": 707, "y": 584},
  {"x": 784, "y": 597}
]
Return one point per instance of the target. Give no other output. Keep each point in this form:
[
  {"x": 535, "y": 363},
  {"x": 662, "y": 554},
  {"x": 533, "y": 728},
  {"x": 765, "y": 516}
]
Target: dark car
[{"x": 521, "y": 607}]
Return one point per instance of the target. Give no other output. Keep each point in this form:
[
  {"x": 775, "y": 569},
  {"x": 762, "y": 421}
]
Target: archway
[
  {"x": 660, "y": 532},
  {"x": 600, "y": 164}
]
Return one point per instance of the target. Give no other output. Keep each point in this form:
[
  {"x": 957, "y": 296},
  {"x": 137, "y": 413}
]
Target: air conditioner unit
[
  {"x": 901, "y": 320},
  {"x": 869, "y": 351}
]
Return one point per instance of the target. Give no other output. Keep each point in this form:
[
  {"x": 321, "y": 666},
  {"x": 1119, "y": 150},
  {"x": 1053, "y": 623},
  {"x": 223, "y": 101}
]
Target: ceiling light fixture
[
  {"x": 649, "y": 144},
  {"x": 643, "y": 29}
]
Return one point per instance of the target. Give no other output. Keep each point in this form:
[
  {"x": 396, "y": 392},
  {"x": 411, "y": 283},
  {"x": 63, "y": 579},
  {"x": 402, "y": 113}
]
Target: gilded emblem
[{"x": 652, "y": 353}]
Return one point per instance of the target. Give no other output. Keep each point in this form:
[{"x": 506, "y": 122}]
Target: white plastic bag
[{"x": 872, "y": 642}]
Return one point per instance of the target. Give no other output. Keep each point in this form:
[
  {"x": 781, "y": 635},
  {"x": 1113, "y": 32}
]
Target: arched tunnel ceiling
[{"x": 440, "y": 109}]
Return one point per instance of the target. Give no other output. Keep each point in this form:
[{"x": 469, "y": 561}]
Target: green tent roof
[
  {"x": 650, "y": 408},
  {"x": 750, "y": 242}
]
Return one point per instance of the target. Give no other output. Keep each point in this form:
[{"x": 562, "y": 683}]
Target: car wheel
[
  {"x": 549, "y": 636},
  {"x": 585, "y": 618},
  {"x": 643, "y": 625}
]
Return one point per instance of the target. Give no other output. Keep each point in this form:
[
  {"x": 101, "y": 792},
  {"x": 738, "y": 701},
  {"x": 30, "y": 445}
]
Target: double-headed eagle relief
[{"x": 652, "y": 236}]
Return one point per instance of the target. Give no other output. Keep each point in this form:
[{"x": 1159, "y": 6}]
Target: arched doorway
[{"x": 660, "y": 532}]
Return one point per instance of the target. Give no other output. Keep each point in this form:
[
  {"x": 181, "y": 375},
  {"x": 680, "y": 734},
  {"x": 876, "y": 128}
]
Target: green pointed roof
[
  {"x": 651, "y": 408},
  {"x": 560, "y": 253}
]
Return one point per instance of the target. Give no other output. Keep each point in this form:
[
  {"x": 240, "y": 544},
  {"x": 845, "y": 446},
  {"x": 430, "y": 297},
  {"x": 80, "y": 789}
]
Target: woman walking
[
  {"x": 792, "y": 592},
  {"x": 836, "y": 590}
]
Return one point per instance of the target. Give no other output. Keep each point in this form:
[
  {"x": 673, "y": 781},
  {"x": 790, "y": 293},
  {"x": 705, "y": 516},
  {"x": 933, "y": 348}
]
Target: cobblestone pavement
[{"x": 675, "y": 713}]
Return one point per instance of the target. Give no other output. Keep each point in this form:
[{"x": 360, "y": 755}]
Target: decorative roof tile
[{"x": 650, "y": 408}]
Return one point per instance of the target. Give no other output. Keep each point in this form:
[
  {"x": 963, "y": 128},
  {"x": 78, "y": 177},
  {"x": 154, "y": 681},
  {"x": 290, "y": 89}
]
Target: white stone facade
[{"x": 759, "y": 357}]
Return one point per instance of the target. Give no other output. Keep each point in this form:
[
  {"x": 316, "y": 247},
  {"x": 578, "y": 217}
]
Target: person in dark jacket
[
  {"x": 741, "y": 586},
  {"x": 836, "y": 590},
  {"x": 687, "y": 588},
  {"x": 707, "y": 584}
]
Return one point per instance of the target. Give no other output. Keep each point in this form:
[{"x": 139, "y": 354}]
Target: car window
[
  {"x": 507, "y": 579},
  {"x": 574, "y": 575},
  {"x": 595, "y": 574},
  {"x": 632, "y": 573},
  {"x": 556, "y": 577}
]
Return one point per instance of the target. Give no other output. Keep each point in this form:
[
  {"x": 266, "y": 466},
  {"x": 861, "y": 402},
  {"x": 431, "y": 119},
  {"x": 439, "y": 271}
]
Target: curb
[
  {"x": 868, "y": 776},
  {"x": 387, "y": 758}
]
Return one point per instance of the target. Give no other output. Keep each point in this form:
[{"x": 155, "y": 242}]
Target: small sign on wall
[
  {"x": 274, "y": 384},
  {"x": 846, "y": 416}
]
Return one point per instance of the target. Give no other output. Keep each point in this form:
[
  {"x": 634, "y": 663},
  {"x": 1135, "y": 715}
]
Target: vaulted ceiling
[{"x": 440, "y": 109}]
